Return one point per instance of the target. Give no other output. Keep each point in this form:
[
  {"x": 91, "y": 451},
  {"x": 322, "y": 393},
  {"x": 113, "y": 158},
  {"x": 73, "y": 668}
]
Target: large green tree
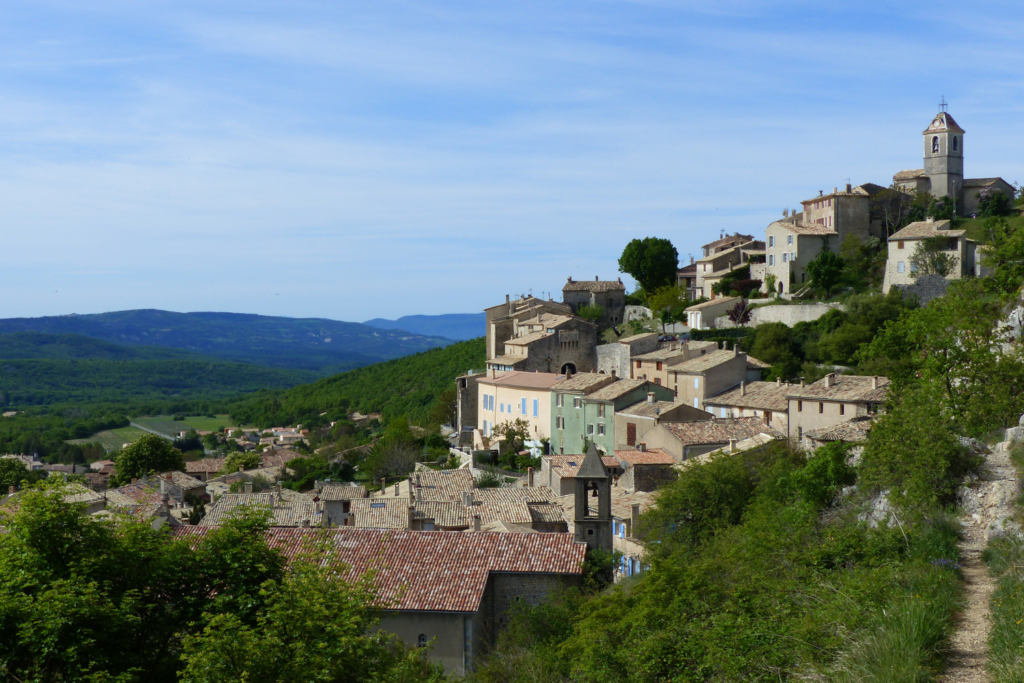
[
  {"x": 149, "y": 454},
  {"x": 652, "y": 262},
  {"x": 825, "y": 271}
]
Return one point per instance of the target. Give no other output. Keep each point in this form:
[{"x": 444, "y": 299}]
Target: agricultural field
[
  {"x": 112, "y": 439},
  {"x": 169, "y": 427}
]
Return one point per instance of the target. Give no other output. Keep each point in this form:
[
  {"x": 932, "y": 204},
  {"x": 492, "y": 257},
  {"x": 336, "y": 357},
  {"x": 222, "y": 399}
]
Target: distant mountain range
[
  {"x": 460, "y": 326},
  {"x": 323, "y": 346}
]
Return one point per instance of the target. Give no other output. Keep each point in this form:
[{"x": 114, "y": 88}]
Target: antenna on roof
[{"x": 943, "y": 104}]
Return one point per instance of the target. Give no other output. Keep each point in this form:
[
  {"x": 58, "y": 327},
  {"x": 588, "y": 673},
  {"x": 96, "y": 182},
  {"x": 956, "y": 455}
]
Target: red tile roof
[
  {"x": 429, "y": 571},
  {"x": 654, "y": 456}
]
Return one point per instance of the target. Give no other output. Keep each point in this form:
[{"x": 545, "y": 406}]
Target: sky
[{"x": 387, "y": 158}]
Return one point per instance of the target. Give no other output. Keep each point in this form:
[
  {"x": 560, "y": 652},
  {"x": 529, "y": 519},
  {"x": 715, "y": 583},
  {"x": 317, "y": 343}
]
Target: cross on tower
[{"x": 943, "y": 104}]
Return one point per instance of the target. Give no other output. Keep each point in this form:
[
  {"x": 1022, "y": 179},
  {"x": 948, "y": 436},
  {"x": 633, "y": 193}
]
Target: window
[
  {"x": 657, "y": 380},
  {"x": 771, "y": 241},
  {"x": 821, "y": 407},
  {"x": 657, "y": 365},
  {"x": 422, "y": 640},
  {"x": 842, "y": 409},
  {"x": 696, "y": 402},
  {"x": 600, "y": 410},
  {"x": 577, "y": 402},
  {"x": 560, "y": 422},
  {"x": 600, "y": 429},
  {"x": 558, "y": 400},
  {"x": 501, "y": 407},
  {"x": 523, "y": 406},
  {"x": 696, "y": 382},
  {"x": 913, "y": 267},
  {"x": 935, "y": 145},
  {"x": 799, "y": 432},
  {"x": 899, "y": 245},
  {"x": 785, "y": 257},
  {"x": 954, "y": 143},
  {"x": 535, "y": 408},
  {"x": 901, "y": 267},
  {"x": 590, "y": 429},
  {"x": 638, "y": 365},
  {"x": 630, "y": 433},
  {"x": 792, "y": 256},
  {"x": 789, "y": 239},
  {"x": 799, "y": 406},
  {"x": 771, "y": 259}
]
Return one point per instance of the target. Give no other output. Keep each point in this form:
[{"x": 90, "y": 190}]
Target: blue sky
[{"x": 351, "y": 161}]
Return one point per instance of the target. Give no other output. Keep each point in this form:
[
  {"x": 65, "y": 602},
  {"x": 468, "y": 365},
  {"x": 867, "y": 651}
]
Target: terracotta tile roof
[
  {"x": 285, "y": 512},
  {"x": 208, "y": 465},
  {"x": 380, "y": 513},
  {"x": 451, "y": 515},
  {"x": 852, "y": 431},
  {"x": 278, "y": 457},
  {"x": 636, "y": 337},
  {"x": 622, "y": 502},
  {"x": 182, "y": 480},
  {"x": 705, "y": 362},
  {"x": 508, "y": 359},
  {"x": 925, "y": 229},
  {"x": 981, "y": 182},
  {"x": 341, "y": 492},
  {"x": 594, "y": 286},
  {"x": 726, "y": 240},
  {"x": 509, "y": 504},
  {"x": 617, "y": 389},
  {"x": 648, "y": 410},
  {"x": 804, "y": 228},
  {"x": 443, "y": 484},
  {"x": 522, "y": 380},
  {"x": 546, "y": 512},
  {"x": 719, "y": 430},
  {"x": 714, "y": 302},
  {"x": 943, "y": 122},
  {"x": 77, "y": 493},
  {"x": 853, "y": 388},
  {"x": 583, "y": 381},
  {"x": 758, "y": 395},
  {"x": 686, "y": 271},
  {"x": 755, "y": 364},
  {"x": 569, "y": 465},
  {"x": 527, "y": 339},
  {"x": 719, "y": 254},
  {"x": 910, "y": 175},
  {"x": 652, "y": 456},
  {"x": 664, "y": 354},
  {"x": 429, "y": 571}
]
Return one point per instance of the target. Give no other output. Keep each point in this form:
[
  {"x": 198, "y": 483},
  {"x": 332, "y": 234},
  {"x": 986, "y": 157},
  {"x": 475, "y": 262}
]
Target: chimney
[
  {"x": 305, "y": 524},
  {"x": 743, "y": 388},
  {"x": 384, "y": 486},
  {"x": 778, "y": 381},
  {"x": 732, "y": 445},
  {"x": 642, "y": 446},
  {"x": 507, "y": 298},
  {"x": 821, "y": 193},
  {"x": 412, "y": 517},
  {"x": 277, "y": 490},
  {"x": 613, "y": 374},
  {"x": 467, "y": 498},
  {"x": 848, "y": 188},
  {"x": 476, "y": 522},
  {"x": 634, "y": 517},
  {"x": 597, "y": 279},
  {"x": 835, "y": 190},
  {"x": 874, "y": 382},
  {"x": 529, "y": 477},
  {"x": 650, "y": 398},
  {"x": 785, "y": 213},
  {"x": 568, "y": 373},
  {"x": 248, "y": 487},
  {"x": 830, "y": 379},
  {"x": 802, "y": 383},
  {"x": 397, "y": 489}
]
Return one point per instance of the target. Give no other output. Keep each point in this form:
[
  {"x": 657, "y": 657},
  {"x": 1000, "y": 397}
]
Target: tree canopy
[
  {"x": 652, "y": 261},
  {"x": 149, "y": 454}
]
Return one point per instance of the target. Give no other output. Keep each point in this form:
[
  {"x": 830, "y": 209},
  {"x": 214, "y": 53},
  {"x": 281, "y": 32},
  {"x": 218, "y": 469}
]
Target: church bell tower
[
  {"x": 944, "y": 156},
  {"x": 593, "y": 518}
]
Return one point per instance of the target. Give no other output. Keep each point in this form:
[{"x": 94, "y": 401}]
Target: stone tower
[
  {"x": 944, "y": 157},
  {"x": 593, "y": 517}
]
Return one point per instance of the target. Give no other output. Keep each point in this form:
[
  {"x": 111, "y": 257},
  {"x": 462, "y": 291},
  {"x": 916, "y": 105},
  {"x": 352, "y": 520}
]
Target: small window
[
  {"x": 899, "y": 245},
  {"x": 657, "y": 365},
  {"x": 901, "y": 267},
  {"x": 771, "y": 241},
  {"x": 954, "y": 143},
  {"x": 785, "y": 257},
  {"x": 842, "y": 409},
  {"x": 935, "y": 145},
  {"x": 590, "y": 429},
  {"x": 523, "y": 406},
  {"x": 600, "y": 429},
  {"x": 376, "y": 505},
  {"x": 422, "y": 640},
  {"x": 771, "y": 259},
  {"x": 638, "y": 365},
  {"x": 789, "y": 239},
  {"x": 600, "y": 410},
  {"x": 577, "y": 402},
  {"x": 799, "y": 432},
  {"x": 799, "y": 406},
  {"x": 657, "y": 380},
  {"x": 536, "y": 408},
  {"x": 696, "y": 382},
  {"x": 560, "y": 422},
  {"x": 821, "y": 407}
]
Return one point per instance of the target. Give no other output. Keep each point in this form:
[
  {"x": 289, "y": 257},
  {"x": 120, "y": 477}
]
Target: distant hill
[
  {"x": 459, "y": 326},
  {"x": 43, "y": 369},
  {"x": 324, "y": 346},
  {"x": 406, "y": 386}
]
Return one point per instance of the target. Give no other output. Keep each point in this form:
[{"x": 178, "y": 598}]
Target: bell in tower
[
  {"x": 944, "y": 156},
  {"x": 593, "y": 493}
]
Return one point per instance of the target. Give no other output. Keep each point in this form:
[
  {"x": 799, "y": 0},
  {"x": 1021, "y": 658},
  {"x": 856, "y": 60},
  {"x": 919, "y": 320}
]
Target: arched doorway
[
  {"x": 568, "y": 367},
  {"x": 780, "y": 288}
]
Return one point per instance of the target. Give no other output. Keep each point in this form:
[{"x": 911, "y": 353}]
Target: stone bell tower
[
  {"x": 944, "y": 157},
  {"x": 593, "y": 519}
]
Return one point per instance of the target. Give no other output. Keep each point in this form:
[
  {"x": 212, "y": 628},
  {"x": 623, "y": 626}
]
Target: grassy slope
[{"x": 404, "y": 386}]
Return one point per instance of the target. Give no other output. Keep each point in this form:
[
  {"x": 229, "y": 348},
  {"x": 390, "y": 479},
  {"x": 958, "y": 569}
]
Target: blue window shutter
[
  {"x": 535, "y": 403},
  {"x": 524, "y": 406}
]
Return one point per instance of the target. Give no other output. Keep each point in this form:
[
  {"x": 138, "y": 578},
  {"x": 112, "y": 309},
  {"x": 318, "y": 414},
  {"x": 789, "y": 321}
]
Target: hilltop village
[{"x": 599, "y": 407}]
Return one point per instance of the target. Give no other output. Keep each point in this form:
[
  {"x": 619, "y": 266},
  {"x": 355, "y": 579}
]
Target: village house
[
  {"x": 627, "y": 506},
  {"x": 832, "y": 400},
  {"x": 558, "y": 472},
  {"x": 633, "y": 423},
  {"x": 743, "y": 256},
  {"x": 594, "y": 420},
  {"x": 418, "y": 600},
  {"x": 905, "y": 244},
  {"x": 847, "y": 212},
  {"x": 336, "y": 499},
  {"x": 655, "y": 366},
  {"x": 792, "y": 244},
  {"x": 466, "y": 406},
  {"x": 549, "y": 343},
  {"x": 291, "y": 511},
  {"x": 702, "y": 316},
  {"x": 853, "y": 432},
  {"x": 610, "y": 295},
  {"x": 685, "y": 440},
  {"x": 616, "y": 357},
  {"x": 508, "y": 396},
  {"x": 204, "y": 469},
  {"x": 766, "y": 400},
  {"x": 724, "y": 243},
  {"x": 501, "y": 320},
  {"x": 569, "y": 411},
  {"x": 698, "y": 379},
  {"x": 645, "y": 469},
  {"x": 686, "y": 279}
]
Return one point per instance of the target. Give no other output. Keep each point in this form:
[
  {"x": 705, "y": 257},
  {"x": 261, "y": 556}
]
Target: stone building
[
  {"x": 700, "y": 378},
  {"x": 593, "y": 420},
  {"x": 847, "y": 212},
  {"x": 766, "y": 400},
  {"x": 686, "y": 279},
  {"x": 943, "y": 172},
  {"x": 645, "y": 469},
  {"x": 633, "y": 423},
  {"x": 614, "y": 358},
  {"x": 703, "y": 316},
  {"x": 570, "y": 426},
  {"x": 725, "y": 242},
  {"x": 685, "y": 440},
  {"x": 792, "y": 244},
  {"x": 904, "y": 245},
  {"x": 466, "y": 406},
  {"x": 593, "y": 509},
  {"x": 656, "y": 365},
  {"x": 610, "y": 295},
  {"x": 548, "y": 343},
  {"x": 832, "y": 400},
  {"x": 501, "y": 320}
]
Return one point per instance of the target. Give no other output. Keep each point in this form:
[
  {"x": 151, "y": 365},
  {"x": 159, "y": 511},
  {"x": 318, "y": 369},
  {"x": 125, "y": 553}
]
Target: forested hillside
[
  {"x": 327, "y": 346},
  {"x": 405, "y": 386}
]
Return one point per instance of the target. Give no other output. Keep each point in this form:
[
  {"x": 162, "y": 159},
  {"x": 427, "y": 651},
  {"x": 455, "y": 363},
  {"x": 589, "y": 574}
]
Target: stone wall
[
  {"x": 613, "y": 359},
  {"x": 637, "y": 313},
  {"x": 790, "y": 315}
]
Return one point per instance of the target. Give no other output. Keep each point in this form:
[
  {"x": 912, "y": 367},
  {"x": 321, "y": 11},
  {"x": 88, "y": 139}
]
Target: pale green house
[{"x": 585, "y": 411}]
